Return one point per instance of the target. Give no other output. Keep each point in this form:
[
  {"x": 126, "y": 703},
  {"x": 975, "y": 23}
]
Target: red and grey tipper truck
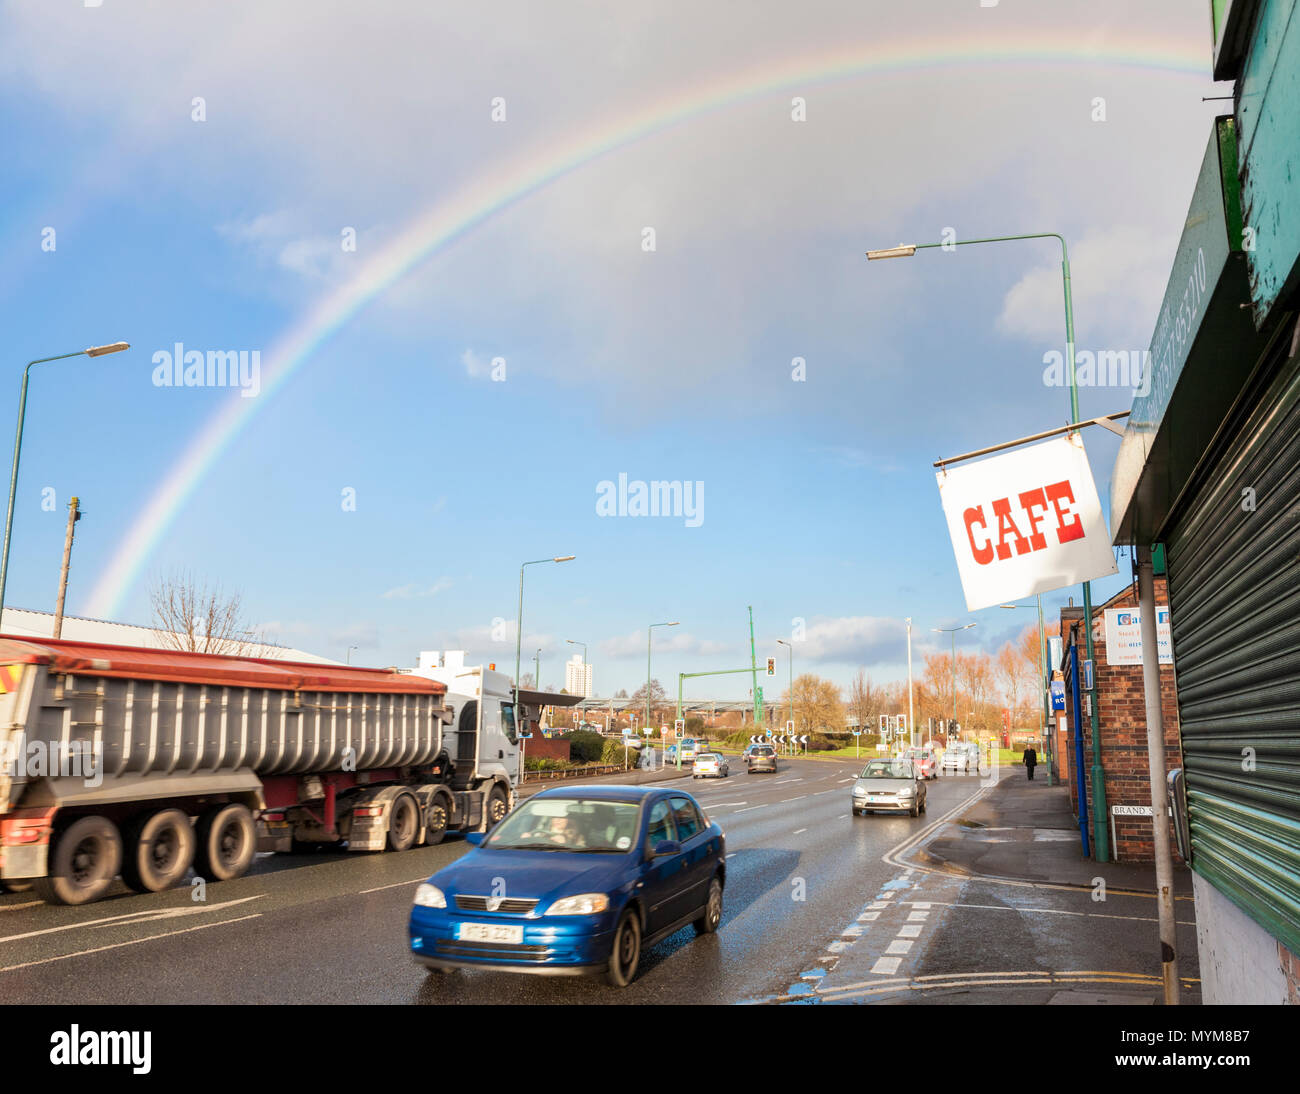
[{"x": 147, "y": 763}]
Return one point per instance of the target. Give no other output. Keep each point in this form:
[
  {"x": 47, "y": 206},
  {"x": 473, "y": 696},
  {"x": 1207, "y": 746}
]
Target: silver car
[
  {"x": 710, "y": 765},
  {"x": 889, "y": 786}
]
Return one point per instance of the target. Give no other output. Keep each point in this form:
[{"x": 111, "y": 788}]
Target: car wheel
[
  {"x": 916, "y": 809},
  {"x": 923, "y": 804},
  {"x": 708, "y": 922},
  {"x": 625, "y": 955}
]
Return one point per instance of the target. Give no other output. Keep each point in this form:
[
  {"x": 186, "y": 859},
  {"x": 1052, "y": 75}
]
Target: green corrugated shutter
[{"x": 1234, "y": 598}]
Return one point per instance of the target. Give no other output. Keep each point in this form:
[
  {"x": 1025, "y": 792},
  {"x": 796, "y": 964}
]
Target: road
[{"x": 331, "y": 928}]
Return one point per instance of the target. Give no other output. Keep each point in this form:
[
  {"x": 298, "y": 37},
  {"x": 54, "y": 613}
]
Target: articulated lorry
[{"x": 147, "y": 763}]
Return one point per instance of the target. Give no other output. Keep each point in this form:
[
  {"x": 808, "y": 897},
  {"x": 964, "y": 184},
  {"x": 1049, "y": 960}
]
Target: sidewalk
[
  {"x": 996, "y": 904},
  {"x": 1025, "y": 830}
]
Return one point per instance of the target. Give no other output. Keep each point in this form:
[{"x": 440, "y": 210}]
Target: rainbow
[{"x": 480, "y": 199}]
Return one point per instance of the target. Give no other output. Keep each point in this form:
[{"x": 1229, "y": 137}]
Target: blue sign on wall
[{"x": 1058, "y": 694}]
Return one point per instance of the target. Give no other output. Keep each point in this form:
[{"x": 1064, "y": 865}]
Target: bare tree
[{"x": 200, "y": 618}]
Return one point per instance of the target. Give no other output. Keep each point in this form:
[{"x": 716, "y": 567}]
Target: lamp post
[
  {"x": 790, "y": 648},
  {"x": 1043, "y": 684},
  {"x": 648, "y": 634},
  {"x": 519, "y": 639},
  {"x": 537, "y": 669},
  {"x": 953, "y": 631},
  {"x": 93, "y": 351},
  {"x": 584, "y": 663},
  {"x": 348, "y": 658},
  {"x": 911, "y": 715},
  {"x": 907, "y": 250}
]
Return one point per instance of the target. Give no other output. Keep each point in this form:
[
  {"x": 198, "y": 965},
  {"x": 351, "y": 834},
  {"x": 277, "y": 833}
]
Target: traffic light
[{"x": 771, "y": 666}]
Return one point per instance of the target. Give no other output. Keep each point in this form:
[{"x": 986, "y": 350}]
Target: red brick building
[{"x": 1121, "y": 710}]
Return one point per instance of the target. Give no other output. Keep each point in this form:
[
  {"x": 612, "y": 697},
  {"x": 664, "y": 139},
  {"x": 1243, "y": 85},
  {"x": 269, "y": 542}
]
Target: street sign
[
  {"x": 804, "y": 739},
  {"x": 1058, "y": 694},
  {"x": 857, "y": 733},
  {"x": 1026, "y": 521},
  {"x": 1087, "y": 675}
]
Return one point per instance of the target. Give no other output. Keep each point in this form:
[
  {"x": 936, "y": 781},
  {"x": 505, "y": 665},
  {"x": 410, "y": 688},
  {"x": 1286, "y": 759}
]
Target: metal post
[
  {"x": 1156, "y": 773},
  {"x": 911, "y": 714},
  {"x": 753, "y": 661},
  {"x": 1044, "y": 680},
  {"x": 1077, "y": 726},
  {"x": 74, "y": 515}
]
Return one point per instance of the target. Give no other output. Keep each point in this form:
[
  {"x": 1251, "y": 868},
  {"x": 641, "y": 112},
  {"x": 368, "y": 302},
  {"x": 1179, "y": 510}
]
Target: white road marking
[
  {"x": 132, "y": 942},
  {"x": 395, "y": 885},
  {"x": 135, "y": 917},
  {"x": 797, "y": 831},
  {"x": 868, "y": 917},
  {"x": 841, "y": 816},
  {"x": 915, "y": 917},
  {"x": 898, "y": 946},
  {"x": 783, "y": 801},
  {"x": 919, "y": 903},
  {"x": 886, "y": 966},
  {"x": 878, "y": 904},
  {"x": 910, "y": 930},
  {"x": 763, "y": 805}
]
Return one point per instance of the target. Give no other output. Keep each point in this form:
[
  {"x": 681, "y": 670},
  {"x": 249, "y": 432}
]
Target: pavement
[{"x": 994, "y": 903}]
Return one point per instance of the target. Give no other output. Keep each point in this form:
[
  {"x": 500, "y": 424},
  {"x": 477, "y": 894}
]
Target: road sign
[
  {"x": 804, "y": 739},
  {"x": 857, "y": 733}
]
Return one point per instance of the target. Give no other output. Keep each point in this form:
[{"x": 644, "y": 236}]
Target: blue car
[{"x": 575, "y": 881}]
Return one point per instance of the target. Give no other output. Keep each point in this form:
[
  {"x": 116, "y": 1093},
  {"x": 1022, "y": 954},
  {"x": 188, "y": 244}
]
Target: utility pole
[
  {"x": 753, "y": 665},
  {"x": 911, "y": 715},
  {"x": 74, "y": 515}
]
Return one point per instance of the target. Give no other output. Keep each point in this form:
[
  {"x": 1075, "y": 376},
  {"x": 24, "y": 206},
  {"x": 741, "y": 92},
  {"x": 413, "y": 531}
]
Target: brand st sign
[{"x": 1025, "y": 522}]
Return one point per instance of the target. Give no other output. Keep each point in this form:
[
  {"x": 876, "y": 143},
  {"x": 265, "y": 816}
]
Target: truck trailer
[{"x": 147, "y": 763}]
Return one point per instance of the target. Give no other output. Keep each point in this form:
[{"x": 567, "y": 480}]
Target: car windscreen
[
  {"x": 568, "y": 824},
  {"x": 887, "y": 769}
]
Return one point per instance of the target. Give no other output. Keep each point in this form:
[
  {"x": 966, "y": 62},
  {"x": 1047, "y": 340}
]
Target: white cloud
[{"x": 410, "y": 592}]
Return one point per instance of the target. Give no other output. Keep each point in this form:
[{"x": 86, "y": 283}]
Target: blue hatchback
[{"x": 575, "y": 881}]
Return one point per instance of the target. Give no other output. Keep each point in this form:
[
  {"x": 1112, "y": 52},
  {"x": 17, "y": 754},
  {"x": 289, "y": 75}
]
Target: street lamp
[
  {"x": 648, "y": 634},
  {"x": 911, "y": 714},
  {"x": 519, "y": 638},
  {"x": 93, "y": 351},
  {"x": 1043, "y": 681},
  {"x": 348, "y": 658},
  {"x": 907, "y": 250},
  {"x": 783, "y": 642},
  {"x": 953, "y": 631},
  {"x": 584, "y": 664}
]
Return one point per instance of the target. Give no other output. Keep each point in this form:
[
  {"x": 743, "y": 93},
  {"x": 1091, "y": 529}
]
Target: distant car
[
  {"x": 761, "y": 758},
  {"x": 924, "y": 760},
  {"x": 594, "y": 875},
  {"x": 711, "y": 765},
  {"x": 975, "y": 758},
  {"x": 956, "y": 758},
  {"x": 889, "y": 786}
]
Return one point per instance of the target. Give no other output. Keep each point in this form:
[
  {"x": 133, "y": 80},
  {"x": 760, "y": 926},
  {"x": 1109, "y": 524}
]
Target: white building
[
  {"x": 577, "y": 677},
  {"x": 24, "y": 623}
]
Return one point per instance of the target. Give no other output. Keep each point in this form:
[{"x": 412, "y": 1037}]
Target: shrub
[
  {"x": 585, "y": 747},
  {"x": 612, "y": 753}
]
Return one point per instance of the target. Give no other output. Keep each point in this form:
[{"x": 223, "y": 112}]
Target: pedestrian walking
[{"x": 1031, "y": 761}]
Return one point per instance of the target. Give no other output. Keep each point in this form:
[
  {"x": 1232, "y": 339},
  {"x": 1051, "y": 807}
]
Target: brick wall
[
  {"x": 1121, "y": 709},
  {"x": 546, "y": 748}
]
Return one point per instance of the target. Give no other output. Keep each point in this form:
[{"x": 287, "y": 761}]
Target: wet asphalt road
[{"x": 331, "y": 928}]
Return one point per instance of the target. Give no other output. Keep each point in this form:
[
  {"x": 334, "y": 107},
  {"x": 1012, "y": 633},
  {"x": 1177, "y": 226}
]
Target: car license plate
[
  {"x": 878, "y": 798},
  {"x": 490, "y": 932}
]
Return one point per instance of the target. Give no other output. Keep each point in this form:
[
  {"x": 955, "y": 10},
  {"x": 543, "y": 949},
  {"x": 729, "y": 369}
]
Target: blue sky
[{"x": 819, "y": 498}]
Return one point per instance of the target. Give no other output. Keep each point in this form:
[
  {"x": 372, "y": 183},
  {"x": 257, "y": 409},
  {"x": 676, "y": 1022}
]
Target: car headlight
[
  {"x": 430, "y": 896},
  {"x": 583, "y": 904},
  {"x": 859, "y": 791},
  {"x": 909, "y": 792}
]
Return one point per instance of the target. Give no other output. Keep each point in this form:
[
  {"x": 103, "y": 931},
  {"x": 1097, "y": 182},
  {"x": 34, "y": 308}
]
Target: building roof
[{"x": 25, "y": 623}]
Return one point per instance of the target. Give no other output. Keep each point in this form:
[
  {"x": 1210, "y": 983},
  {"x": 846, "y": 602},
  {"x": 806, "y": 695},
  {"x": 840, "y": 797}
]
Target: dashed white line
[
  {"x": 395, "y": 885},
  {"x": 798, "y": 831}
]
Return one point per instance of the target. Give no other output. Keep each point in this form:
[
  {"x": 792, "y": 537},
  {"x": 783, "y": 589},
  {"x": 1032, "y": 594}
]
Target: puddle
[
  {"x": 970, "y": 824},
  {"x": 897, "y": 883}
]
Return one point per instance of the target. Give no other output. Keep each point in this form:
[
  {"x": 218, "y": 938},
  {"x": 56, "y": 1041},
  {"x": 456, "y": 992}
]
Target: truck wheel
[
  {"x": 496, "y": 808},
  {"x": 86, "y": 858},
  {"x": 159, "y": 851},
  {"x": 227, "y": 840},
  {"x": 435, "y": 820},
  {"x": 15, "y": 886},
  {"x": 403, "y": 823},
  {"x": 625, "y": 955}
]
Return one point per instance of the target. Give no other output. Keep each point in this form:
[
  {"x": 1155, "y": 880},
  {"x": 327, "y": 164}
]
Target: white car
[
  {"x": 955, "y": 758},
  {"x": 710, "y": 765}
]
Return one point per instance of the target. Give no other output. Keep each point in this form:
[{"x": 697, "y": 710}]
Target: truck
[{"x": 150, "y": 763}]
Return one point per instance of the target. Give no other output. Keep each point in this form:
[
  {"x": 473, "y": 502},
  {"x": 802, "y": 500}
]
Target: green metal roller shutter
[{"x": 1234, "y": 598}]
